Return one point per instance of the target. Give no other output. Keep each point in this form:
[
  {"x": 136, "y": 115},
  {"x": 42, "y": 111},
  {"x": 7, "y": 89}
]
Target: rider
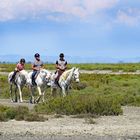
[
  {"x": 19, "y": 67},
  {"x": 61, "y": 66},
  {"x": 36, "y": 66}
]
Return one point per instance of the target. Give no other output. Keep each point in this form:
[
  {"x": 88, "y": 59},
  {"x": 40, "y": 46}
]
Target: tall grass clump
[
  {"x": 18, "y": 113},
  {"x": 81, "y": 104}
]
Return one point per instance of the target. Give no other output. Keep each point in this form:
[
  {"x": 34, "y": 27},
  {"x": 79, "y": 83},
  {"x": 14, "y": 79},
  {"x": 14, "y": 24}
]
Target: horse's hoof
[
  {"x": 12, "y": 101},
  {"x": 20, "y": 101},
  {"x": 31, "y": 102}
]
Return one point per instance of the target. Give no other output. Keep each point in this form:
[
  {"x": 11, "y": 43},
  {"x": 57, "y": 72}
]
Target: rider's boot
[{"x": 33, "y": 82}]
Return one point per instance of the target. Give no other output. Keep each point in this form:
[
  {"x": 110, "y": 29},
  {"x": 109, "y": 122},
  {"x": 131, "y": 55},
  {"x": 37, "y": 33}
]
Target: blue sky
[{"x": 84, "y": 28}]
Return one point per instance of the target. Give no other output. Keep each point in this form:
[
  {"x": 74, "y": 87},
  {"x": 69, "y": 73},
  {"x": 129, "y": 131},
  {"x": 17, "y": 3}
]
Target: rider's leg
[
  {"x": 59, "y": 73},
  {"x": 13, "y": 76},
  {"x": 56, "y": 77},
  {"x": 33, "y": 77}
]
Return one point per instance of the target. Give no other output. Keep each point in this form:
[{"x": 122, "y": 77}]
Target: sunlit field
[
  {"x": 95, "y": 94},
  {"x": 126, "y": 67}
]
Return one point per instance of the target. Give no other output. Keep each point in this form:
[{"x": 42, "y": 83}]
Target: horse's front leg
[
  {"x": 16, "y": 93},
  {"x": 11, "y": 93},
  {"x": 53, "y": 91},
  {"x": 20, "y": 94},
  {"x": 63, "y": 91},
  {"x": 32, "y": 100},
  {"x": 40, "y": 94},
  {"x": 43, "y": 93},
  {"x": 67, "y": 90}
]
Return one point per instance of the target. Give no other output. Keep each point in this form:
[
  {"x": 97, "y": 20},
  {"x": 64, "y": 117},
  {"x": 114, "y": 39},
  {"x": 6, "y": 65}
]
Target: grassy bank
[{"x": 127, "y": 67}]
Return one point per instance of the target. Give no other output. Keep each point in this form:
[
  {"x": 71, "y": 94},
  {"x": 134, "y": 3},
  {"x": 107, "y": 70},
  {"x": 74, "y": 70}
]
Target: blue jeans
[{"x": 33, "y": 76}]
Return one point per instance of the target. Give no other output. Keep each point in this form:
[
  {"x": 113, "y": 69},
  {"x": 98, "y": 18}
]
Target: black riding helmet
[
  {"x": 22, "y": 60},
  {"x": 37, "y": 55},
  {"x": 61, "y": 55}
]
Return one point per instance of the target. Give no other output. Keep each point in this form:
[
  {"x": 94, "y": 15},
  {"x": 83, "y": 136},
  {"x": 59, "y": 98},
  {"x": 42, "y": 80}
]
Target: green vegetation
[
  {"x": 127, "y": 67},
  {"x": 4, "y": 87},
  {"x": 18, "y": 113},
  {"x": 81, "y": 104},
  {"x": 95, "y": 95}
]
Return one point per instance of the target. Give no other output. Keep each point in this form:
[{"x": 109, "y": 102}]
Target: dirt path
[
  {"x": 7, "y": 102},
  {"x": 126, "y": 126}
]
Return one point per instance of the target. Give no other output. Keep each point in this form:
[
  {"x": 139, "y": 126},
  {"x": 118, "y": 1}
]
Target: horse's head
[
  {"x": 76, "y": 75},
  {"x": 45, "y": 74}
]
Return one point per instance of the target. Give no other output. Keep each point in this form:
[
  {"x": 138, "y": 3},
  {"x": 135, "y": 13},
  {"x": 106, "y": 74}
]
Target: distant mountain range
[{"x": 70, "y": 59}]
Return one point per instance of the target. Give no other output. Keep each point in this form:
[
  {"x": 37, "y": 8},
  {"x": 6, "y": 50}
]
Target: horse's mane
[
  {"x": 45, "y": 70},
  {"x": 24, "y": 72},
  {"x": 65, "y": 74}
]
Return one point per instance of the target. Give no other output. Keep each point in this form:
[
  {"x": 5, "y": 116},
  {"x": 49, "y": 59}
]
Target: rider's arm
[
  {"x": 17, "y": 67},
  {"x": 42, "y": 65},
  {"x": 66, "y": 65},
  {"x": 56, "y": 65},
  {"x": 34, "y": 67}
]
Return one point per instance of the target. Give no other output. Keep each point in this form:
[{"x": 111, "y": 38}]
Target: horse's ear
[
  {"x": 74, "y": 68},
  {"x": 77, "y": 69}
]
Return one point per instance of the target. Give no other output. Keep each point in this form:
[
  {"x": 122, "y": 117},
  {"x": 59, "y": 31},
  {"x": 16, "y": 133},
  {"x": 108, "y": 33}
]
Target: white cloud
[
  {"x": 93, "y": 6},
  {"x": 24, "y": 9},
  {"x": 129, "y": 17}
]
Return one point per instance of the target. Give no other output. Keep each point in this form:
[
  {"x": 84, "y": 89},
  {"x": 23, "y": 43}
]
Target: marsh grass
[
  {"x": 82, "y": 104},
  {"x": 126, "y": 67},
  {"x": 19, "y": 113},
  {"x": 95, "y": 94}
]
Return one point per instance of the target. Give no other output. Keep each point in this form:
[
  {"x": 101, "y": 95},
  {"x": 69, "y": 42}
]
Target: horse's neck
[
  {"x": 69, "y": 74},
  {"x": 69, "y": 78}
]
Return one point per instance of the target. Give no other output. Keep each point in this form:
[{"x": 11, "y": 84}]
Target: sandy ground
[{"x": 123, "y": 127}]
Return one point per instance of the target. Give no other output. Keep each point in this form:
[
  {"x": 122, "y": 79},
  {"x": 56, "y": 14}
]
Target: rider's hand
[{"x": 62, "y": 69}]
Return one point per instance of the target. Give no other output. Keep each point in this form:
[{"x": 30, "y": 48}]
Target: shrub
[
  {"x": 2, "y": 117},
  {"x": 34, "y": 117},
  {"x": 79, "y": 86},
  {"x": 21, "y": 112},
  {"x": 82, "y": 104},
  {"x": 11, "y": 113}
]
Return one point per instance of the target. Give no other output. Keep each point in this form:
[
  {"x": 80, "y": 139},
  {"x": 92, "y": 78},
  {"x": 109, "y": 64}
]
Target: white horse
[
  {"x": 65, "y": 80},
  {"x": 21, "y": 78},
  {"x": 42, "y": 79}
]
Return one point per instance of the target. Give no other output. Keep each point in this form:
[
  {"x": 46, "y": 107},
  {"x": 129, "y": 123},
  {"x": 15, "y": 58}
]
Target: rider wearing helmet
[
  {"x": 19, "y": 67},
  {"x": 61, "y": 66},
  {"x": 36, "y": 66}
]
